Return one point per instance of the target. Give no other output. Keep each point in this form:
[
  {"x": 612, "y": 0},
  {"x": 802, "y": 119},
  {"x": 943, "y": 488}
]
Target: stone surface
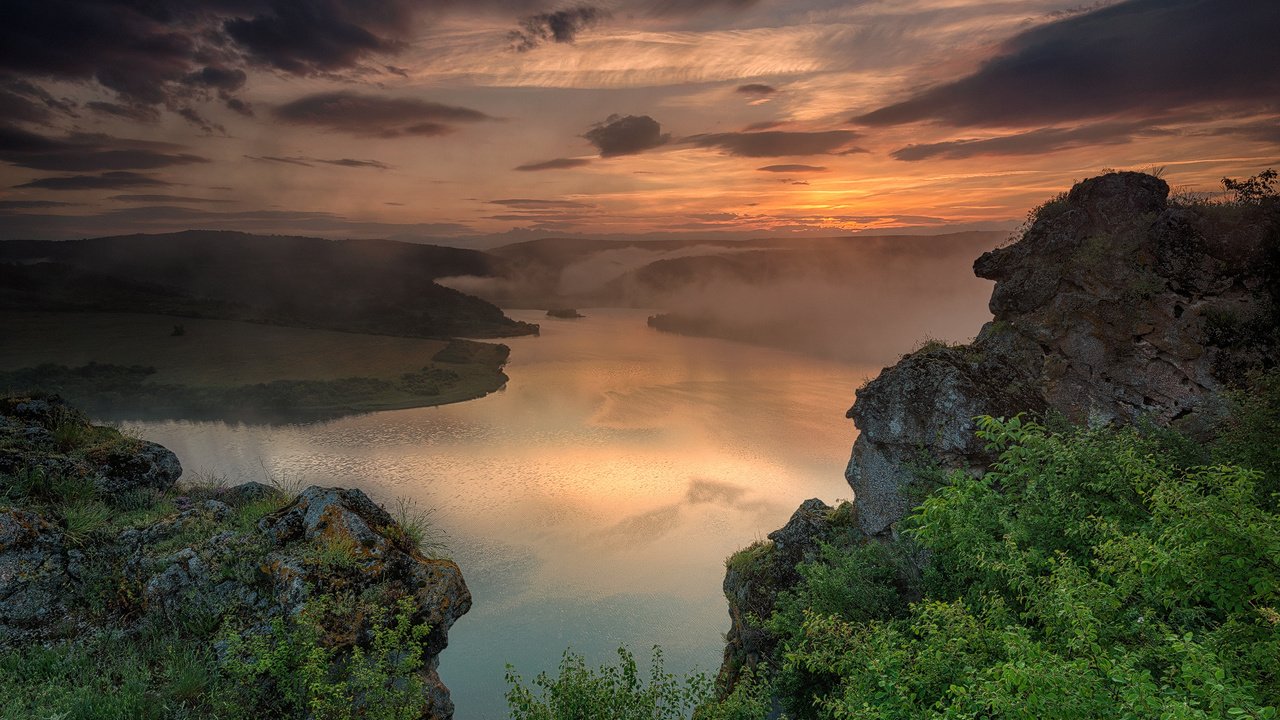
[
  {"x": 1112, "y": 307},
  {"x": 34, "y": 578},
  {"x": 198, "y": 561},
  {"x": 326, "y": 515},
  {"x": 754, "y": 577}
]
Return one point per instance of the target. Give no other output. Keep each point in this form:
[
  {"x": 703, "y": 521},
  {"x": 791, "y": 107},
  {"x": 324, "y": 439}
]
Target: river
[{"x": 590, "y": 503}]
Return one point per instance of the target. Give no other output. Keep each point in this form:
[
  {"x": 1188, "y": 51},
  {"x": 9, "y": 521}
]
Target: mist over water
[
  {"x": 858, "y": 299},
  {"x": 592, "y": 502}
]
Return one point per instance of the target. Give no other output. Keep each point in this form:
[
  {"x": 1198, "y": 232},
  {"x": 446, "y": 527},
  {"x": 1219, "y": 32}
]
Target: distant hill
[
  {"x": 370, "y": 286},
  {"x": 865, "y": 298}
]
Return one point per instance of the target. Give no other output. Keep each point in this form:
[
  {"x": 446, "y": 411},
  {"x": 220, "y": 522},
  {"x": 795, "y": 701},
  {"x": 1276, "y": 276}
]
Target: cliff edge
[
  {"x": 270, "y": 603},
  {"x": 1115, "y": 306}
]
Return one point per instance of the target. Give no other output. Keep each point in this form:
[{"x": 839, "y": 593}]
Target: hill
[{"x": 369, "y": 286}]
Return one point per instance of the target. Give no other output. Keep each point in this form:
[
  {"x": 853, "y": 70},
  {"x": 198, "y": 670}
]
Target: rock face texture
[
  {"x": 754, "y": 577},
  {"x": 71, "y": 570},
  {"x": 1114, "y": 306}
]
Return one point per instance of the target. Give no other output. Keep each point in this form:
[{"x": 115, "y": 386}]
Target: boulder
[{"x": 1113, "y": 306}]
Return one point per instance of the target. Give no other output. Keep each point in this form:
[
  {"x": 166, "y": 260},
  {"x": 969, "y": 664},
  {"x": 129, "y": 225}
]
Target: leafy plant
[{"x": 611, "y": 692}]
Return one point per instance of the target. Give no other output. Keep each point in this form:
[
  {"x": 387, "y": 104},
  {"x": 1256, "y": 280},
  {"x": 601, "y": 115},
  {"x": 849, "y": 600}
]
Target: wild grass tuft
[{"x": 415, "y": 529}]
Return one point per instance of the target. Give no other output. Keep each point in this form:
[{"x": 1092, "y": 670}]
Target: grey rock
[
  {"x": 1113, "y": 306},
  {"x": 34, "y": 578},
  {"x": 148, "y": 465},
  {"x": 246, "y": 493}
]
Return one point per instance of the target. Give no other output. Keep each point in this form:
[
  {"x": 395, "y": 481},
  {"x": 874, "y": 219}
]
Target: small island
[{"x": 565, "y": 313}]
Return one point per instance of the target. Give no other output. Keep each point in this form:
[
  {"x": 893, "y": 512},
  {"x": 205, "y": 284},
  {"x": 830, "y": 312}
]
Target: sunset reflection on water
[{"x": 590, "y": 503}]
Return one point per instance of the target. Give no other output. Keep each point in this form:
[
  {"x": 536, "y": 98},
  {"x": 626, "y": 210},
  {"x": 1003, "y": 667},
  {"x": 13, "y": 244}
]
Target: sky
[{"x": 476, "y": 122}]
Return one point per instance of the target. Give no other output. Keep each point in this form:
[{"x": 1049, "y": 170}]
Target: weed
[
  {"x": 414, "y": 529},
  {"x": 82, "y": 519}
]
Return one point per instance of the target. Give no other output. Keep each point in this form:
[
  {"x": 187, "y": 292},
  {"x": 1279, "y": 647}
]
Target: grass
[
  {"x": 210, "y": 353},
  {"x": 132, "y": 366},
  {"x": 415, "y": 529}
]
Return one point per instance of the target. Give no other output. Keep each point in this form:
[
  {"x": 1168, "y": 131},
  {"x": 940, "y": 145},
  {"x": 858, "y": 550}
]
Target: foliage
[
  {"x": 1087, "y": 575},
  {"x": 155, "y": 677},
  {"x": 751, "y": 698},
  {"x": 611, "y": 692},
  {"x": 414, "y": 529},
  {"x": 1253, "y": 190},
  {"x": 105, "y": 387},
  {"x": 292, "y": 672}
]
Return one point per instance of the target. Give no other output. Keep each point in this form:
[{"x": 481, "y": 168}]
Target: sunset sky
[{"x": 484, "y": 121}]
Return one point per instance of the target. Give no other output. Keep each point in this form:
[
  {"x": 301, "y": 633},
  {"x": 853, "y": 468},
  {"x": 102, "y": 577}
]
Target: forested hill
[{"x": 372, "y": 286}]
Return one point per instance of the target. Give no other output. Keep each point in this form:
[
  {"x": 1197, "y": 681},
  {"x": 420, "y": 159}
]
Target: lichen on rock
[
  {"x": 1113, "y": 306},
  {"x": 96, "y": 541}
]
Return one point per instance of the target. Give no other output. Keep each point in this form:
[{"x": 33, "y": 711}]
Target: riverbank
[{"x": 126, "y": 366}]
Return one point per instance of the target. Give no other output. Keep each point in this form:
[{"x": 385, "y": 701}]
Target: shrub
[{"x": 612, "y": 692}]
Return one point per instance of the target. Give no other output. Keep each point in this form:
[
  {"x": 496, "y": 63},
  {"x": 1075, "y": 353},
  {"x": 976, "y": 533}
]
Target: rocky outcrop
[
  {"x": 44, "y": 436},
  {"x": 382, "y": 562},
  {"x": 756, "y": 575},
  {"x": 71, "y": 570},
  {"x": 1113, "y": 306}
]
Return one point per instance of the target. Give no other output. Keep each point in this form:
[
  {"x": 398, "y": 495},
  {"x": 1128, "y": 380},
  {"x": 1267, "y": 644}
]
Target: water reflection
[{"x": 593, "y": 501}]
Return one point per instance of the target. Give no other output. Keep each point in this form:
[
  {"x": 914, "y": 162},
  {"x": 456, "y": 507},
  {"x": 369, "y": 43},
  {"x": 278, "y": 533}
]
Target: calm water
[{"x": 592, "y": 502}]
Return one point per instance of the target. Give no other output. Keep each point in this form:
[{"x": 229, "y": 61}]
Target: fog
[{"x": 856, "y": 299}]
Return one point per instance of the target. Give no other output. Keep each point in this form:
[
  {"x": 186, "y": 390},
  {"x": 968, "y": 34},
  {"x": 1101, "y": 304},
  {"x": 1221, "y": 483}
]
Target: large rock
[
  {"x": 67, "y": 574},
  {"x": 45, "y": 435},
  {"x": 349, "y": 519},
  {"x": 754, "y": 577},
  {"x": 1113, "y": 306},
  {"x": 34, "y": 578}
]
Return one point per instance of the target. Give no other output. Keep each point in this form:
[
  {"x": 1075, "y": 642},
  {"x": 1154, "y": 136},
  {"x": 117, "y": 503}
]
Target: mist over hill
[
  {"x": 861, "y": 298},
  {"x": 371, "y": 286}
]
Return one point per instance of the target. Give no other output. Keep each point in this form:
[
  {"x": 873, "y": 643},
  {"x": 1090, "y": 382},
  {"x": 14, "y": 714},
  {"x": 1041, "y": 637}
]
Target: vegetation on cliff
[{"x": 125, "y": 596}]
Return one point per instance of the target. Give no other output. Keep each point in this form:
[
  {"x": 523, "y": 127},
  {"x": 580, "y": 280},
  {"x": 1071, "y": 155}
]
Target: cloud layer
[
  {"x": 1137, "y": 58},
  {"x": 371, "y": 115}
]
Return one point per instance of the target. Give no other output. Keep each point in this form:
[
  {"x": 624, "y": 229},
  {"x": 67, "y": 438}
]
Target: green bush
[
  {"x": 611, "y": 692},
  {"x": 1087, "y": 575},
  {"x": 292, "y": 671}
]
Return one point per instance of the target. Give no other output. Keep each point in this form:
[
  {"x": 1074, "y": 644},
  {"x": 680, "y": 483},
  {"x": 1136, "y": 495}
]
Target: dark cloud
[
  {"x": 777, "y": 143},
  {"x": 240, "y": 106},
  {"x": 195, "y": 118},
  {"x": 136, "y": 113},
  {"x": 1140, "y": 58},
  {"x": 281, "y": 160},
  {"x": 162, "y": 199},
  {"x": 629, "y": 135},
  {"x": 15, "y": 108},
  {"x": 105, "y": 181},
  {"x": 1034, "y": 142},
  {"x": 1267, "y": 131},
  {"x": 792, "y": 168},
  {"x": 23, "y": 101},
  {"x": 757, "y": 89},
  {"x": 311, "y": 161},
  {"x": 375, "y": 116},
  {"x": 689, "y": 7},
  {"x": 221, "y": 78},
  {"x": 31, "y": 204},
  {"x": 84, "y": 152},
  {"x": 352, "y": 162},
  {"x": 561, "y": 26},
  {"x": 556, "y": 164},
  {"x": 166, "y": 54},
  {"x": 530, "y": 203}
]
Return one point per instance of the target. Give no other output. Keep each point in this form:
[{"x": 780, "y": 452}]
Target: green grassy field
[{"x": 249, "y": 368}]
